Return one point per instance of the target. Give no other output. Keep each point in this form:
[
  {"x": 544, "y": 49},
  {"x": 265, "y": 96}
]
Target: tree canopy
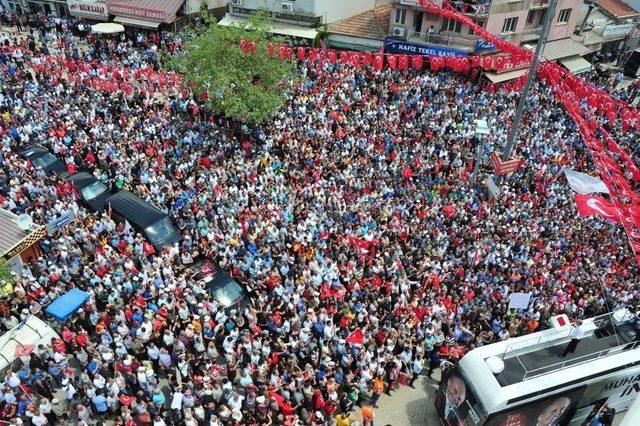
[{"x": 239, "y": 85}]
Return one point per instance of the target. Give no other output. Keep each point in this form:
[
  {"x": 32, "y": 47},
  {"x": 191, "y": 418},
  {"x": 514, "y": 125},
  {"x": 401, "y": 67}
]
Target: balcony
[
  {"x": 457, "y": 41},
  {"x": 538, "y": 4},
  {"x": 531, "y": 34},
  {"x": 477, "y": 9}
]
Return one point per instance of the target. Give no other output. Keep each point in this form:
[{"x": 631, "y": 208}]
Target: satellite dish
[
  {"x": 495, "y": 364},
  {"x": 24, "y": 222}
]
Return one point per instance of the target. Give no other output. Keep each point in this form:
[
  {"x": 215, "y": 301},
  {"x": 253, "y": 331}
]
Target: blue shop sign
[
  {"x": 395, "y": 46},
  {"x": 484, "y": 45}
]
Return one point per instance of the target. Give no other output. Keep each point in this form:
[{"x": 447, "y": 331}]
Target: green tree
[
  {"x": 5, "y": 274},
  {"x": 244, "y": 86}
]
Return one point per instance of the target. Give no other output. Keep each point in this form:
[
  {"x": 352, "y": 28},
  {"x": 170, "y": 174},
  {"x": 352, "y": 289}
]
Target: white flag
[
  {"x": 127, "y": 227},
  {"x": 584, "y": 184}
]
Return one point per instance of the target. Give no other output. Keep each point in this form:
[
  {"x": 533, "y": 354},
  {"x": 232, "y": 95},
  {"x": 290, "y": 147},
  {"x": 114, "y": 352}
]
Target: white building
[{"x": 297, "y": 18}]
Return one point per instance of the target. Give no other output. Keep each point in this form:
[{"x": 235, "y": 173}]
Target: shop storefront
[
  {"x": 56, "y": 7},
  {"x": 18, "y": 240},
  {"x": 95, "y": 10}
]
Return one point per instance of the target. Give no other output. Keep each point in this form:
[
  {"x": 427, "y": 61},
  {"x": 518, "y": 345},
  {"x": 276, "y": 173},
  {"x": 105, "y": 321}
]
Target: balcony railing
[
  {"x": 531, "y": 34},
  {"x": 538, "y": 4},
  {"x": 454, "y": 41},
  {"x": 472, "y": 8}
]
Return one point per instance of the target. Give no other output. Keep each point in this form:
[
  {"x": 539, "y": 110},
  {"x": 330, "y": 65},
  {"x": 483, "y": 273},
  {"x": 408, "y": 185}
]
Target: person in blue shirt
[{"x": 100, "y": 403}]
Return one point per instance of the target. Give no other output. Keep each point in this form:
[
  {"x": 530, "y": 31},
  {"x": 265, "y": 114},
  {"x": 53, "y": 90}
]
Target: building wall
[
  {"x": 494, "y": 20},
  {"x": 329, "y": 10}
]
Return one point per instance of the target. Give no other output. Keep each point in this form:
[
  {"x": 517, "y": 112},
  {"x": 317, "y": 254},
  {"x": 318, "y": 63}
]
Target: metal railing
[
  {"x": 541, "y": 371},
  {"x": 531, "y": 34},
  {"x": 552, "y": 338},
  {"x": 457, "y": 41},
  {"x": 538, "y": 4}
]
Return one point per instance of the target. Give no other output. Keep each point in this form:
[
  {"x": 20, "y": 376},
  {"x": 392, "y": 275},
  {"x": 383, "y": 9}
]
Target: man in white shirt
[{"x": 576, "y": 334}]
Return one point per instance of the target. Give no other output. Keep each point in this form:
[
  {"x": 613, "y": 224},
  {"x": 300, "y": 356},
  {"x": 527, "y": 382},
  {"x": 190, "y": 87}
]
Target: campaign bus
[{"x": 526, "y": 381}]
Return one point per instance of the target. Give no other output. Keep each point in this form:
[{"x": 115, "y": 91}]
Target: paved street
[{"x": 407, "y": 406}]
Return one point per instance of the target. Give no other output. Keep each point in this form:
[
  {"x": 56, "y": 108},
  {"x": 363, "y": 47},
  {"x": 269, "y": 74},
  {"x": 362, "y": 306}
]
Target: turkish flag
[
  {"x": 361, "y": 244},
  {"x": 593, "y": 205},
  {"x": 356, "y": 337}
]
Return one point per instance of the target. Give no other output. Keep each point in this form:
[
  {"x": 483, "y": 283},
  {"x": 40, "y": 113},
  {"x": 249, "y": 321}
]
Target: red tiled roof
[
  {"x": 372, "y": 24},
  {"x": 617, "y": 8}
]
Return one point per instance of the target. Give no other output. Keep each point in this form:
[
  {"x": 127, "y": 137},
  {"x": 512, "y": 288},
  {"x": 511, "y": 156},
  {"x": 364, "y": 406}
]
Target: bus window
[
  {"x": 552, "y": 411},
  {"x": 456, "y": 403}
]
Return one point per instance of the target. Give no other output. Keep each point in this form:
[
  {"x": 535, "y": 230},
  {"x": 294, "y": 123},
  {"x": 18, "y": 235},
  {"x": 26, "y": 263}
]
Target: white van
[{"x": 20, "y": 341}]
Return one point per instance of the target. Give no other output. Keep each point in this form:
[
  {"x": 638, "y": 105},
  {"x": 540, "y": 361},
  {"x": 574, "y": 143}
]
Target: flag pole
[{"x": 515, "y": 127}]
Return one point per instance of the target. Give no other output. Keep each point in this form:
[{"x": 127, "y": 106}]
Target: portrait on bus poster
[
  {"x": 455, "y": 402},
  {"x": 556, "y": 410}
]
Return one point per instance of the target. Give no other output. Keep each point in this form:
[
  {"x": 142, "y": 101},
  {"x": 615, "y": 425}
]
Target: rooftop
[
  {"x": 603, "y": 338},
  {"x": 372, "y": 24},
  {"x": 11, "y": 235},
  {"x": 617, "y": 8}
]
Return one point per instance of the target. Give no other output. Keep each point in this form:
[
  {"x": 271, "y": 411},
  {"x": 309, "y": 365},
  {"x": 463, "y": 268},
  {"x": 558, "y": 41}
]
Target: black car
[
  {"x": 44, "y": 160},
  {"x": 222, "y": 287},
  {"x": 145, "y": 218},
  {"x": 93, "y": 192}
]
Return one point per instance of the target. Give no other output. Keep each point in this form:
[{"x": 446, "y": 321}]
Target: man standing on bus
[{"x": 576, "y": 334}]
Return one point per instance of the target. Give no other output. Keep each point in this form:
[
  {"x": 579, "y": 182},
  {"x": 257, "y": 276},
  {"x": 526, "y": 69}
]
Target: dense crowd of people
[{"x": 369, "y": 256}]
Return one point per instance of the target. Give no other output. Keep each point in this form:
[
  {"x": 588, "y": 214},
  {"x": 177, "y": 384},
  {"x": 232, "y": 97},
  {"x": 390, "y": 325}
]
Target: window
[
  {"x": 564, "y": 16},
  {"x": 510, "y": 25},
  {"x": 401, "y": 15},
  {"x": 530, "y": 16},
  {"x": 478, "y": 23},
  {"x": 451, "y": 25}
]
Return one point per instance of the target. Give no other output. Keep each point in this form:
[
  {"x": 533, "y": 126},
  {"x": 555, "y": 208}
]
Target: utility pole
[{"x": 515, "y": 127}]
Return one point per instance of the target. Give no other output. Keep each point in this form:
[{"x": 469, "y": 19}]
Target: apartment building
[
  {"x": 297, "y": 18},
  {"x": 518, "y": 21}
]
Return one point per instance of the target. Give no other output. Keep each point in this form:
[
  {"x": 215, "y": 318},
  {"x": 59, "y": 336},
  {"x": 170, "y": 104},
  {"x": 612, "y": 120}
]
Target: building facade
[
  {"x": 610, "y": 27},
  {"x": 519, "y": 22},
  {"x": 302, "y": 12}
]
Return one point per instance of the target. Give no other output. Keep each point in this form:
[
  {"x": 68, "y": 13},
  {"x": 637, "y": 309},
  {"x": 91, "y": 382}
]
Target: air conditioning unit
[
  {"x": 398, "y": 31},
  {"x": 287, "y": 7},
  {"x": 236, "y": 2}
]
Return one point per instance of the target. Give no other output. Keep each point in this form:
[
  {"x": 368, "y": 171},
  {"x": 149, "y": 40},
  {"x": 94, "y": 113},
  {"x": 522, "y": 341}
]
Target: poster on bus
[
  {"x": 555, "y": 410},
  {"x": 616, "y": 391},
  {"x": 455, "y": 401}
]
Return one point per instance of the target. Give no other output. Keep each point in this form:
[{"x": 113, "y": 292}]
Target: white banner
[
  {"x": 519, "y": 300},
  {"x": 88, "y": 9},
  {"x": 584, "y": 184}
]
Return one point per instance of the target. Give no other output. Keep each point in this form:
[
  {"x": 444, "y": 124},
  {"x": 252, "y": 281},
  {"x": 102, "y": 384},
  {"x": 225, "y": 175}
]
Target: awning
[
  {"x": 146, "y": 10},
  {"x": 136, "y": 22},
  {"x": 563, "y": 48},
  {"x": 276, "y": 27},
  {"x": 576, "y": 64},
  {"x": 504, "y": 76},
  {"x": 352, "y": 46},
  {"x": 67, "y": 304}
]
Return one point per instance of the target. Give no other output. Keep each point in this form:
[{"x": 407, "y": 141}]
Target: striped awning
[
  {"x": 563, "y": 48},
  {"x": 504, "y": 76},
  {"x": 576, "y": 64},
  {"x": 140, "y": 23}
]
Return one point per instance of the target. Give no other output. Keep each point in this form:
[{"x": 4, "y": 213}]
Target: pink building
[{"x": 518, "y": 21}]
